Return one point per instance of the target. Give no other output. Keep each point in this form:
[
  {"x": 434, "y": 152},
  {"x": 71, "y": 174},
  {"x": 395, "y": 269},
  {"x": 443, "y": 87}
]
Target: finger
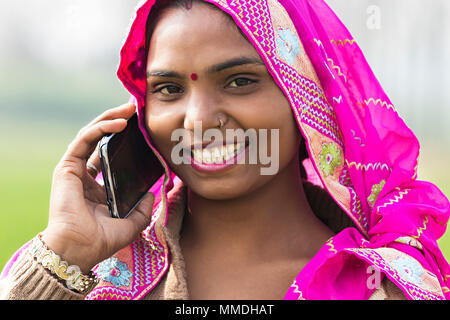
[
  {"x": 124, "y": 111},
  {"x": 84, "y": 144},
  {"x": 121, "y": 232},
  {"x": 93, "y": 164},
  {"x": 142, "y": 215},
  {"x": 93, "y": 191}
]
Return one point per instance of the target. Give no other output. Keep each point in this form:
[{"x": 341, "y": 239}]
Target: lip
[
  {"x": 216, "y": 167},
  {"x": 210, "y": 145}
]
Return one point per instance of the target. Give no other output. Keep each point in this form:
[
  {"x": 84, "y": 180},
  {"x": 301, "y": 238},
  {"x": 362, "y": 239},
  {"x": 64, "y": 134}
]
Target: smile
[
  {"x": 217, "y": 154},
  {"x": 213, "y": 159}
]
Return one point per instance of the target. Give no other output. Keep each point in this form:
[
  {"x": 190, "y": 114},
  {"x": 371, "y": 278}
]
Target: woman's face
[{"x": 232, "y": 84}]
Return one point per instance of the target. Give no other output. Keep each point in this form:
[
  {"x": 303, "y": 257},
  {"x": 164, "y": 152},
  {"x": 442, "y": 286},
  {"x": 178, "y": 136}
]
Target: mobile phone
[{"x": 129, "y": 167}]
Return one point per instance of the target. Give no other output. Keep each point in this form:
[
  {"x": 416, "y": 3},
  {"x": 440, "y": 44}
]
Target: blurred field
[
  {"x": 31, "y": 150},
  {"x": 41, "y": 110},
  {"x": 433, "y": 167},
  {"x": 25, "y": 174}
]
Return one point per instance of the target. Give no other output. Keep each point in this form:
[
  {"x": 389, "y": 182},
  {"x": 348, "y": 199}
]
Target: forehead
[{"x": 199, "y": 36}]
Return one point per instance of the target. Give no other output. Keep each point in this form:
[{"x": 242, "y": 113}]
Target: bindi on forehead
[{"x": 216, "y": 68}]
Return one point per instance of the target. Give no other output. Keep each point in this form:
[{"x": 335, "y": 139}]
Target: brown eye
[
  {"x": 240, "y": 82},
  {"x": 169, "y": 90}
]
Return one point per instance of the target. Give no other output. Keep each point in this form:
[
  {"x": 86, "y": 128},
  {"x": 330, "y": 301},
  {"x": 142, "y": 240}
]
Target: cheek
[
  {"x": 160, "y": 127},
  {"x": 275, "y": 113},
  {"x": 289, "y": 138},
  {"x": 279, "y": 115},
  {"x": 272, "y": 112}
]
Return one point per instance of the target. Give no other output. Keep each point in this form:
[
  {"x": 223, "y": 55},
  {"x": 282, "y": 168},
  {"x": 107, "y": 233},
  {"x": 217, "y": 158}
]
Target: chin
[
  {"x": 218, "y": 191},
  {"x": 225, "y": 189}
]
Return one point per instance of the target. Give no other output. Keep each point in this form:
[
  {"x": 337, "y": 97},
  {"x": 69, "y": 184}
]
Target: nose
[{"x": 202, "y": 109}]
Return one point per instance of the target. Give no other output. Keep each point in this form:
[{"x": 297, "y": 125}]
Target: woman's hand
[{"x": 80, "y": 228}]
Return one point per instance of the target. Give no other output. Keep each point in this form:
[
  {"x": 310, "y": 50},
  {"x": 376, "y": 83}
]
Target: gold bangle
[{"x": 72, "y": 275}]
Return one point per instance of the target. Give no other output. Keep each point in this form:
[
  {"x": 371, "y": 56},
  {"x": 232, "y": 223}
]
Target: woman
[{"x": 367, "y": 229}]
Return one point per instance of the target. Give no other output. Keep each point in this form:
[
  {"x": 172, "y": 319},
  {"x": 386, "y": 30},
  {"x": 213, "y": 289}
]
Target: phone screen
[{"x": 132, "y": 168}]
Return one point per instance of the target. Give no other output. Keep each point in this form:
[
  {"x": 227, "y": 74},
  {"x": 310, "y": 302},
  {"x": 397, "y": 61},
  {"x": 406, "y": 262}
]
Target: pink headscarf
[{"x": 360, "y": 148}]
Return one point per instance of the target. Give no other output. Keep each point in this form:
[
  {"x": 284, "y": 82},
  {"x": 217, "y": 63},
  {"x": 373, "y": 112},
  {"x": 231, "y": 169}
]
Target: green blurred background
[{"x": 57, "y": 72}]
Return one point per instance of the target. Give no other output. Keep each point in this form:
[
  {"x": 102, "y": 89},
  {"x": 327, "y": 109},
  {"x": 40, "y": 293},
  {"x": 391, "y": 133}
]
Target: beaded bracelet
[{"x": 72, "y": 275}]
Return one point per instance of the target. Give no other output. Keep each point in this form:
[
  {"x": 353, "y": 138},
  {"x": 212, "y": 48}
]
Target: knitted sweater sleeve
[
  {"x": 388, "y": 291},
  {"x": 29, "y": 280}
]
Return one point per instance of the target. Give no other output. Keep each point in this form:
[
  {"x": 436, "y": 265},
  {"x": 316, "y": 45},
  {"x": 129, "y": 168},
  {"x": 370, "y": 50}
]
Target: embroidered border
[
  {"x": 413, "y": 291},
  {"x": 147, "y": 266}
]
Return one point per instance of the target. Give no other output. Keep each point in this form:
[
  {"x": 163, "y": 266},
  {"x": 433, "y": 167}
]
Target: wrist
[
  {"x": 70, "y": 253},
  {"x": 73, "y": 277}
]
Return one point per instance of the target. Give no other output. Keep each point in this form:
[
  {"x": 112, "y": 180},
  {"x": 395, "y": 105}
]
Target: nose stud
[
  {"x": 194, "y": 76},
  {"x": 188, "y": 4}
]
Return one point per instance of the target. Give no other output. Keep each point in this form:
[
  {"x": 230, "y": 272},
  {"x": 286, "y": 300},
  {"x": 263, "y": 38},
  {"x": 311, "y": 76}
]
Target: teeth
[
  {"x": 230, "y": 148},
  {"x": 207, "y": 156},
  {"x": 197, "y": 155},
  {"x": 217, "y": 154}
]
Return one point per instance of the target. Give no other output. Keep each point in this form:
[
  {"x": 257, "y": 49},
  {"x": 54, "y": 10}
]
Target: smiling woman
[{"x": 219, "y": 228}]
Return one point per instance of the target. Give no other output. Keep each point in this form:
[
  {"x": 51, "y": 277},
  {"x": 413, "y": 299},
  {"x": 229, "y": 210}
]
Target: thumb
[
  {"x": 124, "y": 231},
  {"x": 142, "y": 214}
]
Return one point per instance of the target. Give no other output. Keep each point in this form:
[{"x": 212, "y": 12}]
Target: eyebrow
[{"x": 240, "y": 61}]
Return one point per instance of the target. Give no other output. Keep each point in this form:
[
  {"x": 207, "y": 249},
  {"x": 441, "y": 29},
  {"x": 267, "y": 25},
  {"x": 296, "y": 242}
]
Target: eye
[
  {"x": 169, "y": 90},
  {"x": 240, "y": 82}
]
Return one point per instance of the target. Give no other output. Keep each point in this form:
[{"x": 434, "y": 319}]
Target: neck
[{"x": 273, "y": 221}]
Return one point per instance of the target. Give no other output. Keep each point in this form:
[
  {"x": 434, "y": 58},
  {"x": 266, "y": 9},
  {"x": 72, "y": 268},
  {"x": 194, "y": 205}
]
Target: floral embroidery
[
  {"x": 376, "y": 189},
  {"x": 409, "y": 269},
  {"x": 288, "y": 45},
  {"x": 114, "y": 271},
  {"x": 330, "y": 158}
]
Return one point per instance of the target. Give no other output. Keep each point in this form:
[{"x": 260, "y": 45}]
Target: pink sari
[{"x": 360, "y": 151}]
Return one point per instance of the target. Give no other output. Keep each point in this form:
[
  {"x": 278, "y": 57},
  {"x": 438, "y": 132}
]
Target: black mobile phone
[{"x": 129, "y": 167}]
